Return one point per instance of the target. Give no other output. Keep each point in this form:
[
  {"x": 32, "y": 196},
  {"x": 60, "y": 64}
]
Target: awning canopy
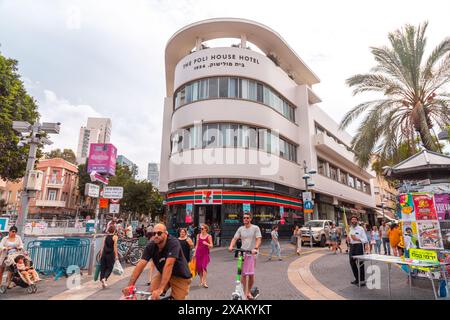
[{"x": 380, "y": 215}]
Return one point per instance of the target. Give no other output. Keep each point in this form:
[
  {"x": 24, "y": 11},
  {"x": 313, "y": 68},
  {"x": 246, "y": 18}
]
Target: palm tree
[{"x": 414, "y": 99}]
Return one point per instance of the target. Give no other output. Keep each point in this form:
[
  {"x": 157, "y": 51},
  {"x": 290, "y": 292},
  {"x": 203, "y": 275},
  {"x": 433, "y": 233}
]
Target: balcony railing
[
  {"x": 50, "y": 203},
  {"x": 55, "y": 182},
  {"x": 330, "y": 146}
]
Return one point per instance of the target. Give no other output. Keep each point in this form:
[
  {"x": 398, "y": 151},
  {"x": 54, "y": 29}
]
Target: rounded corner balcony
[{"x": 272, "y": 45}]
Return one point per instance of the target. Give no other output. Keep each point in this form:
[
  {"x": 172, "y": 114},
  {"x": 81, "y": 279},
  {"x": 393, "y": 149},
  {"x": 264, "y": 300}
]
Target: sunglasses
[
  {"x": 246, "y": 217},
  {"x": 159, "y": 233},
  {"x": 13, "y": 231}
]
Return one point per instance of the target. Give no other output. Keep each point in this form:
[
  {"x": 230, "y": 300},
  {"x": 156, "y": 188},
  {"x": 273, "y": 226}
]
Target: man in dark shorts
[{"x": 165, "y": 252}]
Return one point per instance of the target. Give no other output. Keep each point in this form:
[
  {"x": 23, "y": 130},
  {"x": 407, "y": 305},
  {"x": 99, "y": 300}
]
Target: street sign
[
  {"x": 98, "y": 177},
  {"x": 4, "y": 224},
  {"x": 91, "y": 190},
  {"x": 307, "y": 196},
  {"x": 308, "y": 207},
  {"x": 114, "y": 208},
  {"x": 103, "y": 203},
  {"x": 114, "y": 200},
  {"x": 113, "y": 192}
]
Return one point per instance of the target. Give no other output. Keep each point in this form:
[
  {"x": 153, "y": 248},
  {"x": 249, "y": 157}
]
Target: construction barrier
[{"x": 53, "y": 256}]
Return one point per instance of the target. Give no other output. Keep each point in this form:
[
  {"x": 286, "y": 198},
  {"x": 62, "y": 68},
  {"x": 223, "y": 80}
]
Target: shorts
[
  {"x": 248, "y": 267},
  {"x": 180, "y": 286}
]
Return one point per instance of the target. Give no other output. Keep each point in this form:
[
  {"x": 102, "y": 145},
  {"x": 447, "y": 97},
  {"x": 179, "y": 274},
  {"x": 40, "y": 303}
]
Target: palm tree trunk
[{"x": 424, "y": 131}]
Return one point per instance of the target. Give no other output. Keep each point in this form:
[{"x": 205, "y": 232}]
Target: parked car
[{"x": 319, "y": 229}]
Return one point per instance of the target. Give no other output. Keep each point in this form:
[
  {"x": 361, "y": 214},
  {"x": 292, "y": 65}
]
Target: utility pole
[
  {"x": 36, "y": 137},
  {"x": 306, "y": 176}
]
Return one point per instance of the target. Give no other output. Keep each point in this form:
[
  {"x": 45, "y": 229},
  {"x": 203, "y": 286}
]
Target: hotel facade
[{"x": 241, "y": 127}]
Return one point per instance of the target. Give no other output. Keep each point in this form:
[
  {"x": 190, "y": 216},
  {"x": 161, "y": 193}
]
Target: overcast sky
[{"x": 106, "y": 57}]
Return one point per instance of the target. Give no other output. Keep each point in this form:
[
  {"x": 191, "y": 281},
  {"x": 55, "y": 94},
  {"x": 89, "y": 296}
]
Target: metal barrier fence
[{"x": 55, "y": 255}]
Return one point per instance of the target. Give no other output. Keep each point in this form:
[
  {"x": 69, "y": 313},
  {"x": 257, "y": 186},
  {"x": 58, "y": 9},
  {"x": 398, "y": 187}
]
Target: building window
[
  {"x": 232, "y": 87},
  {"x": 343, "y": 177},
  {"x": 202, "y": 183},
  {"x": 216, "y": 182},
  {"x": 358, "y": 184},
  {"x": 351, "y": 181},
  {"x": 321, "y": 166},
  {"x": 51, "y": 195},
  {"x": 264, "y": 185},
  {"x": 232, "y": 182},
  {"x": 333, "y": 173}
]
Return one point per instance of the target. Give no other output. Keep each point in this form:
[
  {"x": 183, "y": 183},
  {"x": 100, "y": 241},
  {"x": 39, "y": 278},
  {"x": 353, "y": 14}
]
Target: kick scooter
[{"x": 238, "y": 293}]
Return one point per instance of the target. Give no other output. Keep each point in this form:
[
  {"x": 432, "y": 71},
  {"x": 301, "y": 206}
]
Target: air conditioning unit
[{"x": 34, "y": 182}]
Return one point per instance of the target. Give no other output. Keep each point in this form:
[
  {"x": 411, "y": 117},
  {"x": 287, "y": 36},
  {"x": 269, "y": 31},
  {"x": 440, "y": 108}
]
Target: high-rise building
[
  {"x": 124, "y": 161},
  {"x": 97, "y": 130},
  {"x": 153, "y": 174}
]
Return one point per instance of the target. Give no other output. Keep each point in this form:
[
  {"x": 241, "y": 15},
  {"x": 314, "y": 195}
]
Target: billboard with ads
[{"x": 102, "y": 158}]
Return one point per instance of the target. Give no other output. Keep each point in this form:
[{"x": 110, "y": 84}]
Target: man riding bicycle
[
  {"x": 165, "y": 252},
  {"x": 250, "y": 236}
]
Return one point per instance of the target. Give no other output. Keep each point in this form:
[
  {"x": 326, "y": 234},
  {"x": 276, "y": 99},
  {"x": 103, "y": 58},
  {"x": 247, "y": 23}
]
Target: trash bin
[{"x": 90, "y": 226}]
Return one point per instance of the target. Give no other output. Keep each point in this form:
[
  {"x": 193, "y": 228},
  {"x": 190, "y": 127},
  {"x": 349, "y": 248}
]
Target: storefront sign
[
  {"x": 442, "y": 204},
  {"x": 424, "y": 207},
  {"x": 208, "y": 197},
  {"x": 214, "y": 60},
  {"x": 114, "y": 208}
]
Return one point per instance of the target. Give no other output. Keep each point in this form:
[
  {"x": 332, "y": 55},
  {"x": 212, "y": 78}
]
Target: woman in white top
[
  {"x": 8, "y": 245},
  {"x": 275, "y": 244}
]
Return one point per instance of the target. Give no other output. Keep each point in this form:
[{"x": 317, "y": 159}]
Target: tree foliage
[
  {"x": 66, "y": 154},
  {"x": 415, "y": 97},
  {"x": 15, "y": 105}
]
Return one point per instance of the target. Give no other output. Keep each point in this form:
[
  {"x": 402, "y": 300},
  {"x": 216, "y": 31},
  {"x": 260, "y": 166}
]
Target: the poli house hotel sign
[{"x": 220, "y": 60}]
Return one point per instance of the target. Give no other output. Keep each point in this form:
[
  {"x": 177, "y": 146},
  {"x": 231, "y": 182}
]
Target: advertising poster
[
  {"x": 246, "y": 208},
  {"x": 424, "y": 207},
  {"x": 102, "y": 158},
  {"x": 189, "y": 207},
  {"x": 445, "y": 232},
  {"x": 406, "y": 207},
  {"x": 429, "y": 235},
  {"x": 442, "y": 204},
  {"x": 409, "y": 228}
]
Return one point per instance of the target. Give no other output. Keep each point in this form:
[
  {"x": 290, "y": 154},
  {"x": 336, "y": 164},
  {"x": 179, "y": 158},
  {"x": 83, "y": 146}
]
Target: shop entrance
[{"x": 208, "y": 214}]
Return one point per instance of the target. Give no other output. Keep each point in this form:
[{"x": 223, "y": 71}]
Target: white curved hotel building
[{"x": 239, "y": 126}]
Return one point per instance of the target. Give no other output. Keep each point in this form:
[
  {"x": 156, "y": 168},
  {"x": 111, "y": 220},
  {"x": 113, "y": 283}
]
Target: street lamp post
[
  {"x": 35, "y": 135},
  {"x": 306, "y": 176}
]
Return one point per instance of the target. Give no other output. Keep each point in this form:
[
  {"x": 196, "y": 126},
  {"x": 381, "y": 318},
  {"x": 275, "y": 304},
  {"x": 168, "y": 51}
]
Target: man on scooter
[{"x": 250, "y": 236}]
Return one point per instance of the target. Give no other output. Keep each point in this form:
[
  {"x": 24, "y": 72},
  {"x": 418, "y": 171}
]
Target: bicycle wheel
[{"x": 136, "y": 255}]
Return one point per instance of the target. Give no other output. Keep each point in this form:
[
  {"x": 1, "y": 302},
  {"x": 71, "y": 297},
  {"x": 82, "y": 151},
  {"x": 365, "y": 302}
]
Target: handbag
[
  {"x": 192, "y": 267},
  {"x": 97, "y": 271},
  {"x": 118, "y": 269}
]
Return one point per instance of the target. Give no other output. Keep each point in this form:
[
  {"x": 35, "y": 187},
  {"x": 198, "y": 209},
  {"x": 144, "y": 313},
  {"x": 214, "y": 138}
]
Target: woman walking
[
  {"x": 109, "y": 255},
  {"x": 275, "y": 244},
  {"x": 376, "y": 239},
  {"x": 186, "y": 244},
  {"x": 298, "y": 239},
  {"x": 204, "y": 243},
  {"x": 368, "y": 230},
  {"x": 334, "y": 237},
  {"x": 9, "y": 244},
  {"x": 394, "y": 238}
]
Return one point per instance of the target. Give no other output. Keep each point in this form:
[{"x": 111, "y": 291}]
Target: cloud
[{"x": 71, "y": 116}]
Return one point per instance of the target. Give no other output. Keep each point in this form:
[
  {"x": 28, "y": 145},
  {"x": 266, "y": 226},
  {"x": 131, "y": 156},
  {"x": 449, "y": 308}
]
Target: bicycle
[
  {"x": 134, "y": 294},
  {"x": 238, "y": 293},
  {"x": 128, "y": 251}
]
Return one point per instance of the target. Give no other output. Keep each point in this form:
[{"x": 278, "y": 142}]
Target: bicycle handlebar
[{"x": 242, "y": 250}]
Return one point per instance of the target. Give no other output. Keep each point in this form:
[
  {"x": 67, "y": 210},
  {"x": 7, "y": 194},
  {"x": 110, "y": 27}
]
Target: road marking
[
  {"x": 91, "y": 287},
  {"x": 300, "y": 275}
]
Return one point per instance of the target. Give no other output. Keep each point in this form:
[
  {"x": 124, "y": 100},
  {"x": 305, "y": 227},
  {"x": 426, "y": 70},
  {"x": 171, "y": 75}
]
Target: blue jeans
[
  {"x": 386, "y": 246},
  {"x": 378, "y": 246},
  {"x": 275, "y": 248}
]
